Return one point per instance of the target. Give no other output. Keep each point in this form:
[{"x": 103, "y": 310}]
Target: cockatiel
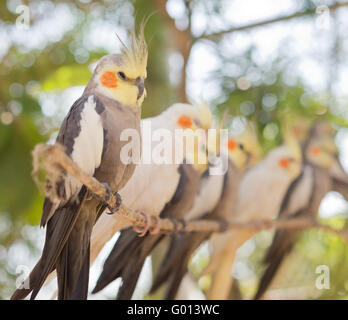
[
  {"x": 110, "y": 104},
  {"x": 146, "y": 191},
  {"x": 130, "y": 251},
  {"x": 175, "y": 264},
  {"x": 260, "y": 194},
  {"x": 321, "y": 174}
]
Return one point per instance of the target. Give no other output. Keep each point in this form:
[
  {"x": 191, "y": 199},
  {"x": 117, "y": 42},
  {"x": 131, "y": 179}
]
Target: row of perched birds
[{"x": 290, "y": 181}]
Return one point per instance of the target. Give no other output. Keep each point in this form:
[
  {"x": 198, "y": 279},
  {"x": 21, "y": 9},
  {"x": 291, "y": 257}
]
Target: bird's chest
[
  {"x": 322, "y": 185},
  {"x": 122, "y": 145}
]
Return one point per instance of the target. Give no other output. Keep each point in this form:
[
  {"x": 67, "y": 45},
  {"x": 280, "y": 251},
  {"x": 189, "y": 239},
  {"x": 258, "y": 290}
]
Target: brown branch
[
  {"x": 217, "y": 35},
  {"x": 53, "y": 158}
]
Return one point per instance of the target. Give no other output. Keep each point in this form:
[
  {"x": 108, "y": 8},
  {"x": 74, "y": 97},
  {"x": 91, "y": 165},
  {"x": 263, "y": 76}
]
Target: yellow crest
[{"x": 135, "y": 55}]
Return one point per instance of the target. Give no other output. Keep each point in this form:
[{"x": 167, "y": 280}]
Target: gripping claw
[
  {"x": 157, "y": 227},
  {"x": 140, "y": 230},
  {"x": 108, "y": 196}
]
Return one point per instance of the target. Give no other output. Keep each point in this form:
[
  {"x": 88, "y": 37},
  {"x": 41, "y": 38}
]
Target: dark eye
[
  {"x": 241, "y": 147},
  {"x": 122, "y": 75},
  {"x": 197, "y": 122}
]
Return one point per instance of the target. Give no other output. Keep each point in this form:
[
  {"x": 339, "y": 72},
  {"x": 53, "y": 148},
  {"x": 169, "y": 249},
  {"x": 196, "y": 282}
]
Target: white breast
[
  {"x": 260, "y": 193},
  {"x": 208, "y": 197},
  {"x": 88, "y": 145}
]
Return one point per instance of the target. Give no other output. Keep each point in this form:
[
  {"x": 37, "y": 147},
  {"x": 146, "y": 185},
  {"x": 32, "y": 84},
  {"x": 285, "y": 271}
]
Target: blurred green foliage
[{"x": 31, "y": 73}]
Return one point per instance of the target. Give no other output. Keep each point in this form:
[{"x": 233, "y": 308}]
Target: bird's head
[
  {"x": 284, "y": 158},
  {"x": 186, "y": 116},
  {"x": 251, "y": 147},
  {"x": 322, "y": 152},
  {"x": 194, "y": 120},
  {"x": 121, "y": 76},
  {"x": 238, "y": 153}
]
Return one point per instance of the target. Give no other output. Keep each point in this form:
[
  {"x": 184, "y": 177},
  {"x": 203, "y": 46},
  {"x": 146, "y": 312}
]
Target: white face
[
  {"x": 114, "y": 83},
  {"x": 281, "y": 158}
]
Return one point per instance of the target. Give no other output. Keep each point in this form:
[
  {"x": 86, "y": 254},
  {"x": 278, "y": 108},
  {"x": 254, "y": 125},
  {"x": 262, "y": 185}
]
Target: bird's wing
[
  {"x": 129, "y": 253},
  {"x": 298, "y": 194},
  {"x": 297, "y": 201},
  {"x": 82, "y": 134},
  {"x": 210, "y": 190},
  {"x": 183, "y": 246}
]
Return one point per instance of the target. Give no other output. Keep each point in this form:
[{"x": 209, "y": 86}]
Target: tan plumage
[
  {"x": 253, "y": 203},
  {"x": 215, "y": 203}
]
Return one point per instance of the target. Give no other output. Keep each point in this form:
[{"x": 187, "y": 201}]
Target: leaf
[{"x": 67, "y": 76}]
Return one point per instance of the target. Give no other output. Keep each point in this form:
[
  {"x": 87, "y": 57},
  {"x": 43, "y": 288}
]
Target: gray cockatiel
[
  {"x": 130, "y": 251},
  {"x": 260, "y": 194},
  {"x": 321, "y": 174},
  {"x": 110, "y": 104},
  {"x": 146, "y": 190},
  {"x": 222, "y": 192}
]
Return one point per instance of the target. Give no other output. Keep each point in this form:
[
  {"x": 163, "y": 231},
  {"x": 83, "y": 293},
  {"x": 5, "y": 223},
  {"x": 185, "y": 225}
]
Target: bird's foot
[
  {"x": 108, "y": 196},
  {"x": 175, "y": 223},
  {"x": 156, "y": 229},
  {"x": 183, "y": 222},
  {"x": 142, "y": 230},
  {"x": 223, "y": 225}
]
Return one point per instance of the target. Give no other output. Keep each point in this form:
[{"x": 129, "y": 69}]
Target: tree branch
[
  {"x": 53, "y": 158},
  {"x": 217, "y": 35}
]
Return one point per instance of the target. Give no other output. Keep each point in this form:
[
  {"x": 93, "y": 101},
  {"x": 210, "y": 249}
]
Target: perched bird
[
  {"x": 146, "y": 190},
  {"x": 130, "y": 251},
  {"x": 321, "y": 174},
  {"x": 182, "y": 246},
  {"x": 110, "y": 104},
  {"x": 260, "y": 194}
]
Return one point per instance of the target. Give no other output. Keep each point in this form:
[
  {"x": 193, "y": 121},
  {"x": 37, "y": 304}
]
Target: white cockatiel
[
  {"x": 128, "y": 255},
  {"x": 216, "y": 200},
  {"x": 152, "y": 185},
  {"x": 261, "y": 191}
]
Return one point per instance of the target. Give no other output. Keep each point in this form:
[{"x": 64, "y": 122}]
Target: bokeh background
[{"x": 271, "y": 62}]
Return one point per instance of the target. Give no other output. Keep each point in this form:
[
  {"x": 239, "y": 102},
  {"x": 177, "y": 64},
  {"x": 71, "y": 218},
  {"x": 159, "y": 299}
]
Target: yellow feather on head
[{"x": 135, "y": 55}]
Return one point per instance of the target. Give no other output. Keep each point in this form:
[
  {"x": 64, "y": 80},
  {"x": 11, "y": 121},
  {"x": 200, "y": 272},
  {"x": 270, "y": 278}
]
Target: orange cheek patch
[
  {"x": 108, "y": 79},
  {"x": 315, "y": 151},
  {"x": 185, "y": 122},
  {"x": 232, "y": 145},
  {"x": 284, "y": 163}
]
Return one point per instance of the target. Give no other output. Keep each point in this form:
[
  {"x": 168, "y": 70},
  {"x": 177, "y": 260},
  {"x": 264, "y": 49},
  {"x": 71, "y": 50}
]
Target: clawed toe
[
  {"x": 157, "y": 227},
  {"x": 143, "y": 230},
  {"x": 108, "y": 196},
  {"x": 117, "y": 205}
]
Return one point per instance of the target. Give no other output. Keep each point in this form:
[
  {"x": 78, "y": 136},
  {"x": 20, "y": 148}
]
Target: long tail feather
[
  {"x": 58, "y": 230},
  {"x": 280, "y": 248}
]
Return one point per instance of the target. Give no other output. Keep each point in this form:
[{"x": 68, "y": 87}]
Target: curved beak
[{"x": 139, "y": 82}]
